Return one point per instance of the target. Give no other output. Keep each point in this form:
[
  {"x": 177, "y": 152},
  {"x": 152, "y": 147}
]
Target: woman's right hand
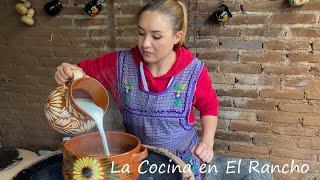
[{"x": 64, "y": 73}]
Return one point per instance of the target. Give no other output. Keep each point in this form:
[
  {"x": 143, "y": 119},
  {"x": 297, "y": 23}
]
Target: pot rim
[{"x": 131, "y": 151}]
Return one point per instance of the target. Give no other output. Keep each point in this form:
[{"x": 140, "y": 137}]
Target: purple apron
[{"x": 160, "y": 119}]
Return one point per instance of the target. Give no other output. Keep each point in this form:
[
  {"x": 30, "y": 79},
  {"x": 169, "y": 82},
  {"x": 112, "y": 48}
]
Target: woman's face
[{"x": 156, "y": 37}]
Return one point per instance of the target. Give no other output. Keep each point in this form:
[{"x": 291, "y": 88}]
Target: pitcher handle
[
  {"x": 77, "y": 73},
  {"x": 140, "y": 156}
]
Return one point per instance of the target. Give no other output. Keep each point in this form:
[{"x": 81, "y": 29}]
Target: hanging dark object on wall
[
  {"x": 222, "y": 14},
  {"x": 94, "y": 7},
  {"x": 298, "y": 2},
  {"x": 53, "y": 7}
]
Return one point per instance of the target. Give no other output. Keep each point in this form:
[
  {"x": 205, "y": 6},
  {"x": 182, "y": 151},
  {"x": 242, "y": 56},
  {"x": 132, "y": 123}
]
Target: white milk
[{"x": 96, "y": 113}]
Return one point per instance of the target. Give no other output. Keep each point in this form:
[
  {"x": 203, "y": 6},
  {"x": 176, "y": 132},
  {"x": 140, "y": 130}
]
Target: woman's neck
[{"x": 163, "y": 66}]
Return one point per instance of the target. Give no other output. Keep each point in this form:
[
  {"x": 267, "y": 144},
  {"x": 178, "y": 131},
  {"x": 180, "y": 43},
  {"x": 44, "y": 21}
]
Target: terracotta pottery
[
  {"x": 83, "y": 157},
  {"x": 62, "y": 112}
]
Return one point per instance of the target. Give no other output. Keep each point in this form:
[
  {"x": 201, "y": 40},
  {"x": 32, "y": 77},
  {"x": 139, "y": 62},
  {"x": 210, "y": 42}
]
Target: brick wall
[{"x": 265, "y": 63}]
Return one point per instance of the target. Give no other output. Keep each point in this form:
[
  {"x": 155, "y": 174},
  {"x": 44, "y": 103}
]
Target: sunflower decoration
[{"x": 87, "y": 168}]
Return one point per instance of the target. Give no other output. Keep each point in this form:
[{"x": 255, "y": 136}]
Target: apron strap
[{"x": 144, "y": 81}]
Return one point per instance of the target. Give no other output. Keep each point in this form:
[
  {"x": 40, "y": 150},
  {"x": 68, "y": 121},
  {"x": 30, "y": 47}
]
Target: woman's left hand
[{"x": 204, "y": 151}]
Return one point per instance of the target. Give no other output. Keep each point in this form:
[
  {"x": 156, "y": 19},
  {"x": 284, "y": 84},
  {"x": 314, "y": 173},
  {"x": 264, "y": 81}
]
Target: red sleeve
[
  {"x": 205, "y": 98},
  {"x": 103, "y": 68}
]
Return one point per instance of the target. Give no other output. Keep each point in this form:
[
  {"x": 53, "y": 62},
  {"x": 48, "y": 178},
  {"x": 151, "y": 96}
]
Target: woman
[{"x": 157, "y": 84}]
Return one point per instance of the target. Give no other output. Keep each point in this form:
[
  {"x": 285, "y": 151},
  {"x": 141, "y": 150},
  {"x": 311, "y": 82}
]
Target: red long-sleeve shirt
[{"x": 104, "y": 69}]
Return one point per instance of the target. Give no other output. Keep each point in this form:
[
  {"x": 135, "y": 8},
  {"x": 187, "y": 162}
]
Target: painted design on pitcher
[
  {"x": 177, "y": 102},
  {"x": 65, "y": 120}
]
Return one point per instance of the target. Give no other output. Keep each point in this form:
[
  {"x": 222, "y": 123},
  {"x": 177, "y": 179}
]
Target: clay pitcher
[
  {"x": 83, "y": 157},
  {"x": 61, "y": 110}
]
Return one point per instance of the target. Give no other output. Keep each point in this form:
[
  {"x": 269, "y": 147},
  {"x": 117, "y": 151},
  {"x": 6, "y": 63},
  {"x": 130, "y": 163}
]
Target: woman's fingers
[
  {"x": 67, "y": 70},
  {"x": 58, "y": 78},
  {"x": 63, "y": 73}
]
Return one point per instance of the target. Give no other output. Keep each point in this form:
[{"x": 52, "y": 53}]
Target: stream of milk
[{"x": 96, "y": 113}]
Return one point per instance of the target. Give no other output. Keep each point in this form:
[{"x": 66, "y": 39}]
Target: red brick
[
  {"x": 294, "y": 131},
  {"x": 304, "y": 57},
  {"x": 315, "y": 70},
  {"x": 236, "y": 136},
  {"x": 126, "y": 21},
  {"x": 221, "y": 55},
  {"x": 54, "y": 22},
  {"x": 263, "y": 6},
  {"x": 267, "y": 56},
  {"x": 239, "y": 68},
  {"x": 254, "y": 104},
  {"x": 285, "y": 70},
  {"x": 208, "y": 6},
  {"x": 280, "y": 117},
  {"x": 219, "y": 145},
  {"x": 302, "y": 154},
  {"x": 313, "y": 94},
  {"x": 222, "y": 125},
  {"x": 295, "y": 18},
  {"x": 316, "y": 45},
  {"x": 287, "y": 45},
  {"x": 72, "y": 11},
  {"x": 31, "y": 42},
  {"x": 310, "y": 143},
  {"x": 91, "y": 22},
  {"x": 220, "y": 78},
  {"x": 297, "y": 81},
  {"x": 274, "y": 141},
  {"x": 126, "y": 43},
  {"x": 71, "y": 33},
  {"x": 313, "y": 84},
  {"x": 263, "y": 32},
  {"x": 129, "y": 9},
  {"x": 207, "y": 43},
  {"x": 126, "y": 31},
  {"x": 236, "y": 115},
  {"x": 7, "y": 52},
  {"x": 250, "y": 149},
  {"x": 301, "y": 107},
  {"x": 218, "y": 31},
  {"x": 246, "y": 126},
  {"x": 68, "y": 52},
  {"x": 3, "y": 41},
  {"x": 235, "y": 43},
  {"x": 237, "y": 93},
  {"x": 311, "y": 121},
  {"x": 26, "y": 61},
  {"x": 77, "y": 2},
  {"x": 258, "y": 80},
  {"x": 90, "y": 43},
  {"x": 247, "y": 19},
  {"x": 305, "y": 32},
  {"x": 52, "y": 61},
  {"x": 38, "y": 51},
  {"x": 281, "y": 94},
  {"x": 225, "y": 102}
]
